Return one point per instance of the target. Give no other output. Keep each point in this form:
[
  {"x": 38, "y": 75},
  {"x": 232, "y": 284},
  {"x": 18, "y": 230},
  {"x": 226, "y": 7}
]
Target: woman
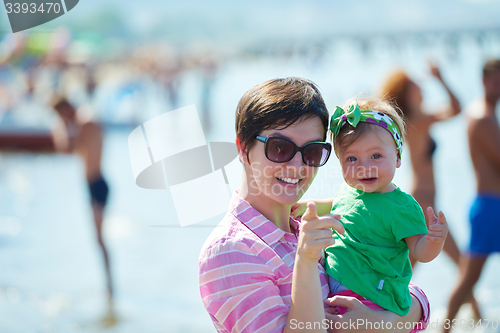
[
  {"x": 257, "y": 272},
  {"x": 406, "y": 94}
]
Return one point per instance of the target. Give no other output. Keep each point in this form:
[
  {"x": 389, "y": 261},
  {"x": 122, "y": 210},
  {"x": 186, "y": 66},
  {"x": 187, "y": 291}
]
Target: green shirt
[{"x": 371, "y": 258}]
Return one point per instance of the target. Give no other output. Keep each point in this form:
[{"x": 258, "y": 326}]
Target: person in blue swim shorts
[{"x": 484, "y": 145}]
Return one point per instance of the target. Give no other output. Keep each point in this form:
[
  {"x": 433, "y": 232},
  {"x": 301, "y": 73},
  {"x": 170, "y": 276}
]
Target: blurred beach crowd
[
  {"x": 37, "y": 68},
  {"x": 118, "y": 82}
]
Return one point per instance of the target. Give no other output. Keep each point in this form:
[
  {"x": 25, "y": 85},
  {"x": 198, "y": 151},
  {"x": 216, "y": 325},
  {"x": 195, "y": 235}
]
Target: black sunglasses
[{"x": 282, "y": 150}]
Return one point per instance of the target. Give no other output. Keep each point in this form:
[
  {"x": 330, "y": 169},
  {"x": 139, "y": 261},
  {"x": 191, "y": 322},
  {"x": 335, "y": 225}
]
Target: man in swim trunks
[
  {"x": 484, "y": 145},
  {"x": 75, "y": 135}
]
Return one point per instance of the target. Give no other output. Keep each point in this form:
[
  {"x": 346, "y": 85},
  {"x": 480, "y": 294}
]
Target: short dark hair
[
  {"x": 492, "y": 65},
  {"x": 278, "y": 103}
]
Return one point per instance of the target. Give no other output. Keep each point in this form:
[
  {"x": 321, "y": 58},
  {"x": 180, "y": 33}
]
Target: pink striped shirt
[{"x": 245, "y": 272}]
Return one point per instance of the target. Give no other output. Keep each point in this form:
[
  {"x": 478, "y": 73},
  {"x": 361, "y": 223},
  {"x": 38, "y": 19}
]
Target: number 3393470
[{"x": 32, "y": 8}]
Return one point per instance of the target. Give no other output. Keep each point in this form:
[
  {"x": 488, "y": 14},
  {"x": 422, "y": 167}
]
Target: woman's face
[{"x": 284, "y": 183}]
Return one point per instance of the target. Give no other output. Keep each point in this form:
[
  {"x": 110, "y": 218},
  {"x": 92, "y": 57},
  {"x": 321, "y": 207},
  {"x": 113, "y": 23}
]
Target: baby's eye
[
  {"x": 375, "y": 156},
  {"x": 352, "y": 159}
]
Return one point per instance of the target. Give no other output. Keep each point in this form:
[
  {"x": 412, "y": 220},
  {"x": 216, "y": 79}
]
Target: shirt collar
[{"x": 258, "y": 223}]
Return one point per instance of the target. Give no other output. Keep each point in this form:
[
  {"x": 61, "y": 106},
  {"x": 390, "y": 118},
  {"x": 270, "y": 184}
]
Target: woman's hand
[
  {"x": 316, "y": 233},
  {"x": 356, "y": 317},
  {"x": 360, "y": 318},
  {"x": 434, "y": 69},
  {"x": 454, "y": 107},
  {"x": 306, "y": 298}
]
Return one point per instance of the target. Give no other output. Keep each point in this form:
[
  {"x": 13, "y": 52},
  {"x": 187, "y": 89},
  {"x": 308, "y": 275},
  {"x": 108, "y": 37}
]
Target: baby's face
[{"x": 370, "y": 162}]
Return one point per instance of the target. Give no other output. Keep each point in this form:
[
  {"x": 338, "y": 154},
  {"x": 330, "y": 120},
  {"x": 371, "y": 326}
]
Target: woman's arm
[
  {"x": 454, "y": 108},
  {"x": 307, "y": 301}
]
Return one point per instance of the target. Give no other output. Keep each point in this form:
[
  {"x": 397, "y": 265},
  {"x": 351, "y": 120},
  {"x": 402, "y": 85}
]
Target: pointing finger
[{"x": 311, "y": 211}]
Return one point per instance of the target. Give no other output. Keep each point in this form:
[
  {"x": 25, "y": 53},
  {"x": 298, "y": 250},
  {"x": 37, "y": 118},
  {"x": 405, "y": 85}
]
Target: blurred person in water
[
  {"x": 483, "y": 132},
  {"x": 85, "y": 138},
  {"x": 401, "y": 90}
]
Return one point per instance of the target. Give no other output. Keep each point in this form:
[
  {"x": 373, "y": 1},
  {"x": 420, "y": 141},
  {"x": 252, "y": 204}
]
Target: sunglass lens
[
  {"x": 279, "y": 150},
  {"x": 316, "y": 154}
]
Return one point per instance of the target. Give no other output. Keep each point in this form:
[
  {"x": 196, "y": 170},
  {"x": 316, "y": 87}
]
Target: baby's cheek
[{"x": 346, "y": 172}]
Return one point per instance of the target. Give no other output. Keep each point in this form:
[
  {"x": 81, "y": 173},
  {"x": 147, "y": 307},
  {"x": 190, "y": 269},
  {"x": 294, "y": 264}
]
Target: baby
[{"x": 382, "y": 223}]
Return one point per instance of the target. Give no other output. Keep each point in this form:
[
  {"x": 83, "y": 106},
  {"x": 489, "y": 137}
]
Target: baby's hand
[
  {"x": 438, "y": 228},
  {"x": 298, "y": 209}
]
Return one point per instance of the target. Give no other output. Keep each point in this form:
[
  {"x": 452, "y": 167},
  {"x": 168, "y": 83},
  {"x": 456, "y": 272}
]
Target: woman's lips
[{"x": 289, "y": 181}]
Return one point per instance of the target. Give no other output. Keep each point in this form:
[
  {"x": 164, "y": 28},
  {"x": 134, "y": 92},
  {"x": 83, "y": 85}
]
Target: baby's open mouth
[{"x": 368, "y": 180}]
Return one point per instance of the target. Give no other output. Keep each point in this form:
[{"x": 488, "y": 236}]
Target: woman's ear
[
  {"x": 398, "y": 162},
  {"x": 242, "y": 153}
]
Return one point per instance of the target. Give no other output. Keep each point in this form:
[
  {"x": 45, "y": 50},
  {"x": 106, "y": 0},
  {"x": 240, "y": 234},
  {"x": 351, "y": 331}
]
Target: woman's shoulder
[
  {"x": 232, "y": 249},
  {"x": 230, "y": 235}
]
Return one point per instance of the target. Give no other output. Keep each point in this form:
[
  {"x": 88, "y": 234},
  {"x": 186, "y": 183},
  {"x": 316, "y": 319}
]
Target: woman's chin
[
  {"x": 290, "y": 195},
  {"x": 288, "y": 200}
]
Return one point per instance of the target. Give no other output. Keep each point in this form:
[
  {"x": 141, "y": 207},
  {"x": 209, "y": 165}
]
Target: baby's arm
[
  {"x": 425, "y": 248},
  {"x": 323, "y": 206}
]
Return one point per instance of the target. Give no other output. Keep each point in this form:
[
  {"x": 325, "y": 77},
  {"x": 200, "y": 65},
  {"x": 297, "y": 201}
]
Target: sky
[{"x": 247, "y": 21}]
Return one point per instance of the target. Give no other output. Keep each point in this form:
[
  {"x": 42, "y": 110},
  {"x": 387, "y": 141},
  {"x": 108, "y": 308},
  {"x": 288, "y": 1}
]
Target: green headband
[{"x": 353, "y": 115}]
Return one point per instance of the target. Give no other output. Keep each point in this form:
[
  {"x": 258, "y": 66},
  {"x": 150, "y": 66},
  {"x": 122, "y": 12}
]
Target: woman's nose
[{"x": 296, "y": 161}]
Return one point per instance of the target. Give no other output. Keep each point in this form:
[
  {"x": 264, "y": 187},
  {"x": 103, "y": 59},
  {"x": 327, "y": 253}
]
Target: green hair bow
[
  {"x": 353, "y": 115},
  {"x": 340, "y": 116}
]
